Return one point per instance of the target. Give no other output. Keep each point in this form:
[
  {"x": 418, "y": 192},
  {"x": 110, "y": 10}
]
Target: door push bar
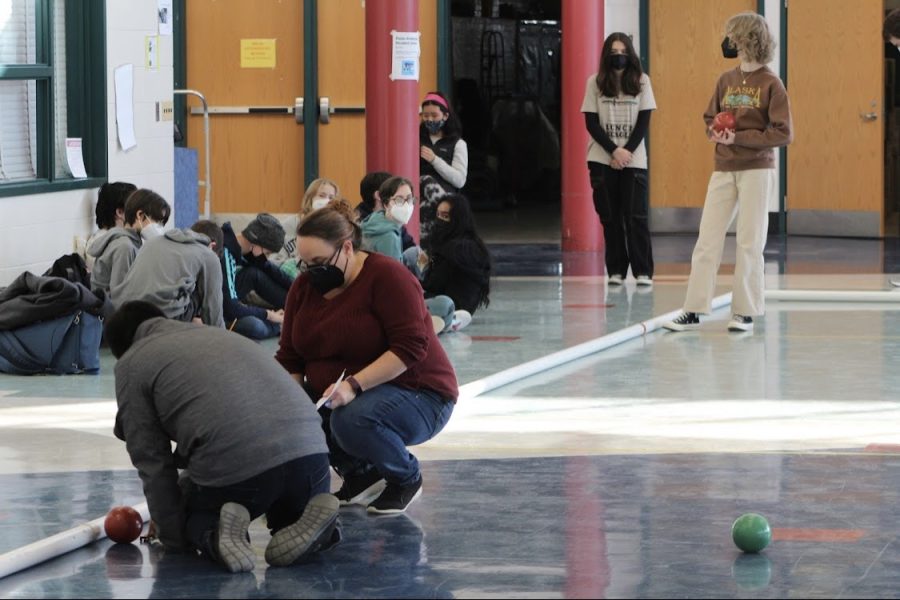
[{"x": 296, "y": 110}]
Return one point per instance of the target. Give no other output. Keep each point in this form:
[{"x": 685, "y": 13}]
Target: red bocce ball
[
  {"x": 123, "y": 524},
  {"x": 724, "y": 120}
]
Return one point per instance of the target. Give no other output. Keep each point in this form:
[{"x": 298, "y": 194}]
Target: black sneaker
[
  {"x": 318, "y": 529},
  {"x": 740, "y": 323},
  {"x": 683, "y": 322},
  {"x": 361, "y": 489},
  {"x": 395, "y": 498}
]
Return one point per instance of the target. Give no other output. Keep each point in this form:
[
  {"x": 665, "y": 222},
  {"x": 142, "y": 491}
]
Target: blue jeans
[
  {"x": 443, "y": 307},
  {"x": 281, "y": 493},
  {"x": 380, "y": 423},
  {"x": 256, "y": 328}
]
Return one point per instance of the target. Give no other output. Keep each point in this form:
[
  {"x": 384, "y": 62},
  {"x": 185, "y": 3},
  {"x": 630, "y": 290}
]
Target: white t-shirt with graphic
[{"x": 618, "y": 116}]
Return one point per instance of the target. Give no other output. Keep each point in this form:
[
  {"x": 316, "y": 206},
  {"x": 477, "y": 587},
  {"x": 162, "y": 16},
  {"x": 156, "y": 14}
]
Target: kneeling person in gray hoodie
[{"x": 249, "y": 440}]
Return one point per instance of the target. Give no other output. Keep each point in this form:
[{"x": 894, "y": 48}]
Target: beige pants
[{"x": 745, "y": 193}]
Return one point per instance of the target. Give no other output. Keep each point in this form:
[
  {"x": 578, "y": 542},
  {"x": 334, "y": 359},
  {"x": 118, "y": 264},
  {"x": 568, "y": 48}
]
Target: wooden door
[
  {"x": 256, "y": 159},
  {"x": 342, "y": 79},
  {"x": 835, "y": 166},
  {"x": 685, "y": 63}
]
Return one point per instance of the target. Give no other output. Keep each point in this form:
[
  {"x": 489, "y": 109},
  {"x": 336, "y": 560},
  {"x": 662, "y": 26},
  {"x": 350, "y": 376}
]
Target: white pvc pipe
[
  {"x": 57, "y": 545},
  {"x": 832, "y": 296},
  {"x": 544, "y": 363}
]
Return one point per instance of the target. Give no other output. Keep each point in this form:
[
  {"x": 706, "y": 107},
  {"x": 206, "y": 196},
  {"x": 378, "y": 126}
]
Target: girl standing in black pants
[{"x": 616, "y": 107}]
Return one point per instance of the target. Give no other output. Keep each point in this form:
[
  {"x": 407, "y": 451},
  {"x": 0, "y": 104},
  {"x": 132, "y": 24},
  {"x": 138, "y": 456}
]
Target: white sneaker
[
  {"x": 615, "y": 280},
  {"x": 461, "y": 318},
  {"x": 740, "y": 323},
  {"x": 895, "y": 282},
  {"x": 644, "y": 280}
]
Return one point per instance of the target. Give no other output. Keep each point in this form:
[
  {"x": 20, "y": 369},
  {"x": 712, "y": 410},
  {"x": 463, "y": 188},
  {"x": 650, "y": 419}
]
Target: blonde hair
[
  {"x": 312, "y": 190},
  {"x": 750, "y": 34}
]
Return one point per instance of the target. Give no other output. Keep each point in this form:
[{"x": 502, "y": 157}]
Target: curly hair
[{"x": 750, "y": 34}]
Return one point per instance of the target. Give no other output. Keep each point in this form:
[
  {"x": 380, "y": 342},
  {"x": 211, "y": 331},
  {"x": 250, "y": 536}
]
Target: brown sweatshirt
[{"x": 763, "y": 116}]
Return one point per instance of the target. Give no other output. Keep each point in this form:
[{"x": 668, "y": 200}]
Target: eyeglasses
[{"x": 403, "y": 200}]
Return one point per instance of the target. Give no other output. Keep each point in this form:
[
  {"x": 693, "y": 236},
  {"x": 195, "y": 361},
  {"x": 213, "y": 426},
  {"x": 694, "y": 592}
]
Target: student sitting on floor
[
  {"x": 457, "y": 263},
  {"x": 249, "y": 441},
  {"x": 319, "y": 193},
  {"x": 146, "y": 212},
  {"x": 382, "y": 233},
  {"x": 179, "y": 273},
  {"x": 245, "y": 261},
  {"x": 254, "y": 322},
  {"x": 109, "y": 213}
]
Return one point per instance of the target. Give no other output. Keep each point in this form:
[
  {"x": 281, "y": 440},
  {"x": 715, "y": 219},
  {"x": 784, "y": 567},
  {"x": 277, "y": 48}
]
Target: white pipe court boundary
[
  {"x": 59, "y": 544},
  {"x": 87, "y": 533}
]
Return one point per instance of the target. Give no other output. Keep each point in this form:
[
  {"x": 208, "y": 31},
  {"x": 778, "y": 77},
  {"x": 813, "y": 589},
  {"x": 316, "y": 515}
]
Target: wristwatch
[{"x": 357, "y": 389}]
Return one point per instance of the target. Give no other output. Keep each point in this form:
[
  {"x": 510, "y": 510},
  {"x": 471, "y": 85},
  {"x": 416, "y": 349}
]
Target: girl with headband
[{"x": 444, "y": 157}]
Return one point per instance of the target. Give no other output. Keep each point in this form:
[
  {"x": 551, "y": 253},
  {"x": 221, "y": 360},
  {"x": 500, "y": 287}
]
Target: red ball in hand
[
  {"x": 123, "y": 524},
  {"x": 724, "y": 120}
]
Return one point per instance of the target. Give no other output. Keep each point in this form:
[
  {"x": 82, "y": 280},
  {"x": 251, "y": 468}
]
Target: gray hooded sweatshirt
[
  {"x": 170, "y": 270},
  {"x": 113, "y": 255},
  {"x": 232, "y": 410}
]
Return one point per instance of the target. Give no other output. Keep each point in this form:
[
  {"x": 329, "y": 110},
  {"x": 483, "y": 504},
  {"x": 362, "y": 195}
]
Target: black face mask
[
  {"x": 618, "y": 61},
  {"x": 728, "y": 50},
  {"x": 327, "y": 277}
]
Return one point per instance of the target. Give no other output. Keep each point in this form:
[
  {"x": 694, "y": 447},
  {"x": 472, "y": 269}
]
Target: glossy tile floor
[{"x": 617, "y": 475}]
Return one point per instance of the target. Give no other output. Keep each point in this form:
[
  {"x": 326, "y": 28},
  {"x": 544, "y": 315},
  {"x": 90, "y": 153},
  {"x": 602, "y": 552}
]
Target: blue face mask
[{"x": 434, "y": 127}]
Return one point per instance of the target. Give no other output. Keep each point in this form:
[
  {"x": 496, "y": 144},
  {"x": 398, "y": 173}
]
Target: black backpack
[{"x": 72, "y": 268}]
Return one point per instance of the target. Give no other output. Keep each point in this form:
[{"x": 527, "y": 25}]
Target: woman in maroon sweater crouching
[{"x": 364, "y": 315}]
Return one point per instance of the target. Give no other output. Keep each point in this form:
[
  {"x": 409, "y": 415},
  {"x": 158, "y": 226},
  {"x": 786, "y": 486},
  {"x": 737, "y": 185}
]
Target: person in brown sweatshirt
[{"x": 744, "y": 175}]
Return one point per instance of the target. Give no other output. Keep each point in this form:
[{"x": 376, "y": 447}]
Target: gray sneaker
[
  {"x": 317, "y": 529},
  {"x": 232, "y": 542}
]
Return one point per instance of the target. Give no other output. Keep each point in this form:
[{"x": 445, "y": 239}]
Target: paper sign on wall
[
  {"x": 258, "y": 53},
  {"x": 151, "y": 49},
  {"x": 75, "y": 158},
  {"x": 124, "y": 78},
  {"x": 405, "y": 55},
  {"x": 164, "y": 10}
]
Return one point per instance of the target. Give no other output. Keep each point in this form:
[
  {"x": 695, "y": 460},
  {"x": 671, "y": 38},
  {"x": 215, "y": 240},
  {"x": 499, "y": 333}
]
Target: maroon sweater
[{"x": 383, "y": 309}]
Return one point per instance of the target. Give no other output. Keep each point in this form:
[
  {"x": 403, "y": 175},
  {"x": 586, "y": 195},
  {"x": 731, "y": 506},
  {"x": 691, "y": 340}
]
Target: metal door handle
[
  {"x": 326, "y": 110},
  {"x": 869, "y": 116}
]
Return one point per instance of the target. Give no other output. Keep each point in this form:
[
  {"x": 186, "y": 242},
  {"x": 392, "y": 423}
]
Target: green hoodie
[{"x": 382, "y": 235}]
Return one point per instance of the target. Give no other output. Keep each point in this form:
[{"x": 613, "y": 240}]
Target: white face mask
[
  {"x": 401, "y": 213},
  {"x": 151, "y": 231},
  {"x": 318, "y": 203}
]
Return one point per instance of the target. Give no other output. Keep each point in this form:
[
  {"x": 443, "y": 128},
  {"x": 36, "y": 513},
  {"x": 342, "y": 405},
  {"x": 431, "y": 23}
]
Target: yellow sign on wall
[{"x": 258, "y": 53}]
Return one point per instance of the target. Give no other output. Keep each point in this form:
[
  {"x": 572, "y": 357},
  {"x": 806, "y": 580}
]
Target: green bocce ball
[{"x": 751, "y": 532}]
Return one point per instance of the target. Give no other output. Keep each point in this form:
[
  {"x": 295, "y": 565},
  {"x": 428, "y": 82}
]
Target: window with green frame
[{"x": 52, "y": 86}]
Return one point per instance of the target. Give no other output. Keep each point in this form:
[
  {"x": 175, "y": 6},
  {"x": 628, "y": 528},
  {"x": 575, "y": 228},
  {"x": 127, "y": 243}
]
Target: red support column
[
  {"x": 582, "y": 40},
  {"x": 392, "y": 107}
]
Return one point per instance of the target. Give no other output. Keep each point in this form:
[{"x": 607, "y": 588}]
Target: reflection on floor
[{"x": 615, "y": 475}]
